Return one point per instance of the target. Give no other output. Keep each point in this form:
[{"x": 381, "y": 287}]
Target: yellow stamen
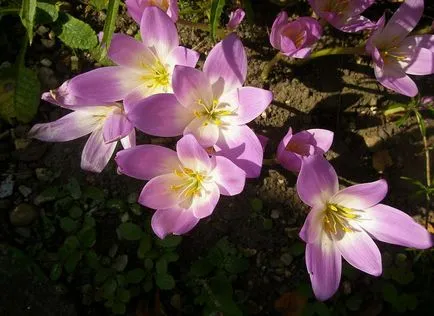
[
  {"x": 157, "y": 75},
  {"x": 192, "y": 182},
  {"x": 337, "y": 217},
  {"x": 214, "y": 112}
]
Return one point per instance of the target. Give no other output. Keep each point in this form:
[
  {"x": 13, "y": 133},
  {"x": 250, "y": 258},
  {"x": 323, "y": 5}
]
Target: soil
[{"x": 339, "y": 93}]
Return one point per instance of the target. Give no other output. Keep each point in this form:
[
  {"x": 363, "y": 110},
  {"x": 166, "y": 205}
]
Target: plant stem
[
  {"x": 9, "y": 10},
  {"x": 269, "y": 66},
  {"x": 360, "y": 50}
]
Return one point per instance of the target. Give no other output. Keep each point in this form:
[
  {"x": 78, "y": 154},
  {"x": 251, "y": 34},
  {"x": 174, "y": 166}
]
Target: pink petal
[
  {"x": 226, "y": 64},
  {"x": 240, "y": 145},
  {"x": 275, "y": 35},
  {"x": 323, "y": 138},
  {"x": 145, "y": 162},
  {"x": 173, "y": 10},
  {"x": 287, "y": 159},
  {"x": 358, "y": 248},
  {"x": 159, "y": 115},
  {"x": 317, "y": 181},
  {"x": 422, "y": 62},
  {"x": 134, "y": 9},
  {"x": 106, "y": 84},
  {"x": 184, "y": 57},
  {"x": 116, "y": 126},
  {"x": 142, "y": 91},
  {"x": 361, "y": 196},
  {"x": 174, "y": 220},
  {"x": 158, "y": 31},
  {"x": 253, "y": 101},
  {"x": 71, "y": 126},
  {"x": 313, "y": 29},
  {"x": 192, "y": 155},
  {"x": 419, "y": 41},
  {"x": 263, "y": 140},
  {"x": 313, "y": 226},
  {"x": 206, "y": 133},
  {"x": 128, "y": 52},
  {"x": 235, "y": 18},
  {"x": 324, "y": 265},
  {"x": 356, "y": 24},
  {"x": 96, "y": 153},
  {"x": 393, "y": 77},
  {"x": 204, "y": 204},
  {"x": 159, "y": 192},
  {"x": 129, "y": 140},
  {"x": 191, "y": 87},
  {"x": 393, "y": 226},
  {"x": 229, "y": 178}
]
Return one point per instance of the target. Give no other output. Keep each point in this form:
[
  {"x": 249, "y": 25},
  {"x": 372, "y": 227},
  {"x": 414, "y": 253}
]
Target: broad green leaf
[
  {"x": 216, "y": 12},
  {"x": 124, "y": 295},
  {"x": 161, "y": 266},
  {"x": 68, "y": 225},
  {"x": 75, "y": 33},
  {"x": 72, "y": 261},
  {"x": 93, "y": 193},
  {"x": 92, "y": 260},
  {"x": 46, "y": 13},
  {"x": 119, "y": 308},
  {"x": 390, "y": 293},
  {"x": 19, "y": 94},
  {"x": 130, "y": 231},
  {"x": 135, "y": 276},
  {"x": 145, "y": 246},
  {"x": 120, "y": 263},
  {"x": 73, "y": 187},
  {"x": 87, "y": 237},
  {"x": 99, "y": 4},
  {"x": 169, "y": 242},
  {"x": 27, "y": 15},
  {"x": 109, "y": 288},
  {"x": 165, "y": 281},
  {"x": 75, "y": 212}
]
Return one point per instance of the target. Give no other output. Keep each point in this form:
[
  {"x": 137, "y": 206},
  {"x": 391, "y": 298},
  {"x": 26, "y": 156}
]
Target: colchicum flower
[
  {"x": 344, "y": 14},
  {"x": 295, "y": 39},
  {"x": 106, "y": 124},
  {"x": 145, "y": 68},
  {"x": 342, "y": 223},
  {"x": 294, "y": 147},
  {"x": 184, "y": 186},
  {"x": 212, "y": 105},
  {"x": 135, "y": 8},
  {"x": 395, "y": 54},
  {"x": 235, "y": 19}
]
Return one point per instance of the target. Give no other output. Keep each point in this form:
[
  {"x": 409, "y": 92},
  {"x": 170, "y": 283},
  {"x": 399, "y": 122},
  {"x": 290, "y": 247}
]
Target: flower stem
[
  {"x": 360, "y": 50},
  {"x": 269, "y": 66},
  {"x": 9, "y": 10}
]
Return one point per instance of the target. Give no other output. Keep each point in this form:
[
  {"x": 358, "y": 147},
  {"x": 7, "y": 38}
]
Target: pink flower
[
  {"x": 342, "y": 223},
  {"x": 106, "y": 124},
  {"x": 184, "y": 186},
  {"x": 212, "y": 105},
  {"x": 344, "y": 14},
  {"x": 295, "y": 39},
  {"x": 426, "y": 101},
  {"x": 294, "y": 147},
  {"x": 395, "y": 54},
  {"x": 235, "y": 19},
  {"x": 135, "y": 8},
  {"x": 145, "y": 68}
]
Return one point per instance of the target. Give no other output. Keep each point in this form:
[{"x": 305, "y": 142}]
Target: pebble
[
  {"x": 46, "y": 62},
  {"x": 48, "y": 43},
  {"x": 286, "y": 258},
  {"x": 23, "y": 215},
  {"x": 6, "y": 187},
  {"x": 275, "y": 214},
  {"x": 25, "y": 191}
]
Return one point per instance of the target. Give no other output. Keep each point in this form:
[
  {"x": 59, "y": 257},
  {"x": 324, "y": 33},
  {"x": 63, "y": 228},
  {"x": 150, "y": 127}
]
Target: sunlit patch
[
  {"x": 336, "y": 219},
  {"x": 191, "y": 183},
  {"x": 157, "y": 75},
  {"x": 214, "y": 113}
]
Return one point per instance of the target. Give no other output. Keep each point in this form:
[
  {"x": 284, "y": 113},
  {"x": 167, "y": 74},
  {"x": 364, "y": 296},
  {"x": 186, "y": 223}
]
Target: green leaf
[
  {"x": 102, "y": 275},
  {"x": 118, "y": 308},
  {"x": 75, "y": 33},
  {"x": 109, "y": 26},
  {"x": 73, "y": 187},
  {"x": 257, "y": 205},
  {"x": 124, "y": 295},
  {"x": 92, "y": 260},
  {"x": 75, "y": 212},
  {"x": 216, "y": 12},
  {"x": 72, "y": 261},
  {"x": 56, "y": 272},
  {"x": 93, "y": 193},
  {"x": 99, "y": 4},
  {"x": 165, "y": 281},
  {"x": 161, "y": 266},
  {"x": 109, "y": 288},
  {"x": 236, "y": 265},
  {"x": 87, "y": 237},
  {"x": 130, "y": 231},
  {"x": 390, "y": 293},
  {"x": 68, "y": 225},
  {"x": 120, "y": 263},
  {"x": 46, "y": 13},
  {"x": 135, "y": 276},
  {"x": 49, "y": 194},
  {"x": 27, "y": 15},
  {"x": 144, "y": 246},
  {"x": 421, "y": 122},
  {"x": 170, "y": 241},
  {"x": 19, "y": 94},
  {"x": 170, "y": 257}
]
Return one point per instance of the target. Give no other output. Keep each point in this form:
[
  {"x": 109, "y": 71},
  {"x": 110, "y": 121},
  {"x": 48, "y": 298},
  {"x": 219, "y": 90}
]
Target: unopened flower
[
  {"x": 235, "y": 19},
  {"x": 135, "y": 8},
  {"x": 145, "y": 68},
  {"x": 294, "y": 147},
  {"x": 395, "y": 54},
  {"x": 295, "y": 39},
  {"x": 426, "y": 101},
  {"x": 212, "y": 105},
  {"x": 342, "y": 223},
  {"x": 106, "y": 124},
  {"x": 344, "y": 14},
  {"x": 184, "y": 186}
]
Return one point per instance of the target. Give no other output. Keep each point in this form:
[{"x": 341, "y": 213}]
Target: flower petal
[
  {"x": 422, "y": 62},
  {"x": 287, "y": 159},
  {"x": 393, "y": 226},
  {"x": 159, "y": 192},
  {"x": 173, "y": 10},
  {"x": 317, "y": 181},
  {"x": 361, "y": 196},
  {"x": 116, "y": 126},
  {"x": 192, "y": 155},
  {"x": 323, "y": 138},
  {"x": 229, "y": 178},
  {"x": 275, "y": 35},
  {"x": 358, "y": 6},
  {"x": 358, "y": 248},
  {"x": 206, "y": 133},
  {"x": 253, "y": 101},
  {"x": 393, "y": 77},
  {"x": 313, "y": 226},
  {"x": 96, "y": 153},
  {"x": 174, "y": 220},
  {"x": 240, "y": 145},
  {"x": 235, "y": 18},
  {"x": 324, "y": 265},
  {"x": 226, "y": 64},
  {"x": 204, "y": 204},
  {"x": 356, "y": 24},
  {"x": 419, "y": 41},
  {"x": 158, "y": 31},
  {"x": 145, "y": 162},
  {"x": 129, "y": 140},
  {"x": 128, "y": 52},
  {"x": 159, "y": 115},
  {"x": 184, "y": 57}
]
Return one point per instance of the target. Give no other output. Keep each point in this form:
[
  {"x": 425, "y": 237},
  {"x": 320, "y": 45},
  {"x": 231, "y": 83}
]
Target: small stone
[
  {"x": 23, "y": 215},
  {"x": 6, "y": 187},
  {"x": 286, "y": 258},
  {"x": 25, "y": 191},
  {"x": 42, "y": 30},
  {"x": 46, "y": 62},
  {"x": 48, "y": 43},
  {"x": 275, "y": 214},
  {"x": 47, "y": 77},
  {"x": 373, "y": 102},
  {"x": 43, "y": 174}
]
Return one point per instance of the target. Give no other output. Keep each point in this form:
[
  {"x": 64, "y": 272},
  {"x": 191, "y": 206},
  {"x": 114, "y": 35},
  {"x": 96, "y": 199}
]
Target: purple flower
[
  {"x": 212, "y": 105},
  {"x": 135, "y": 8},
  {"x": 344, "y": 14},
  {"x": 145, "y": 68},
  {"x": 184, "y": 186},
  {"x": 395, "y": 54},
  {"x": 342, "y": 223},
  {"x": 235, "y": 19},
  {"x": 294, "y": 147},
  {"x": 295, "y": 39},
  {"x": 426, "y": 101},
  {"x": 106, "y": 124}
]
